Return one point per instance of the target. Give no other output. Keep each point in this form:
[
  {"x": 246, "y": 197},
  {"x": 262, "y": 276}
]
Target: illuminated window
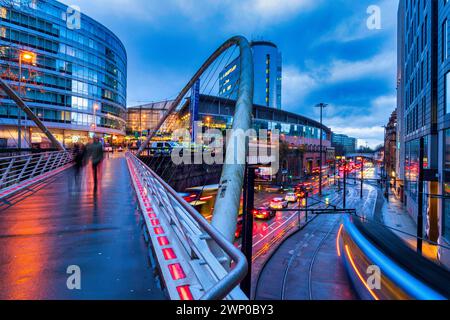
[{"x": 3, "y": 13}]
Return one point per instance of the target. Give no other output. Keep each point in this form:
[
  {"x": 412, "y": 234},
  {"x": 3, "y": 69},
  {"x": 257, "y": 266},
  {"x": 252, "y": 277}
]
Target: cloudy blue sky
[{"x": 329, "y": 54}]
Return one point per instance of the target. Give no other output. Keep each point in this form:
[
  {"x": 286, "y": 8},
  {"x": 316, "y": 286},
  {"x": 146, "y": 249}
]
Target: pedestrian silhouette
[
  {"x": 95, "y": 153},
  {"x": 79, "y": 155}
]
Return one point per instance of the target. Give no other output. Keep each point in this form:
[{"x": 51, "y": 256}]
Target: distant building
[
  {"x": 268, "y": 76},
  {"x": 343, "y": 144}
]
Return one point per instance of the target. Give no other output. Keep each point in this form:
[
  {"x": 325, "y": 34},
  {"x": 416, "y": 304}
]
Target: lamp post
[
  {"x": 321, "y": 106},
  {"x": 344, "y": 201},
  {"x": 385, "y": 177},
  {"x": 30, "y": 58},
  {"x": 362, "y": 176}
]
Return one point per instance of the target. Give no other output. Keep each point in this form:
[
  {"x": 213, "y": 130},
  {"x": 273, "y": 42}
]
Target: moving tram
[{"x": 382, "y": 267}]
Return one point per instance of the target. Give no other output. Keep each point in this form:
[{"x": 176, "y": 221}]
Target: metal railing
[
  {"x": 195, "y": 235},
  {"x": 18, "y": 170}
]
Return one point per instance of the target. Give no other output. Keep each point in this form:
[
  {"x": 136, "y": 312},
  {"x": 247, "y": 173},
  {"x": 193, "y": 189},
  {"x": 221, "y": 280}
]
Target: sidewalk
[{"x": 393, "y": 214}]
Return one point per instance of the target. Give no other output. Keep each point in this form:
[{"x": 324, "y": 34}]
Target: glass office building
[
  {"x": 343, "y": 142},
  {"x": 299, "y": 132},
  {"x": 70, "y": 69},
  {"x": 424, "y": 113},
  {"x": 268, "y": 75}
]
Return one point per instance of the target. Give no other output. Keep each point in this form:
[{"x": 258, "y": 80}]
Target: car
[
  {"x": 309, "y": 187},
  {"x": 120, "y": 149},
  {"x": 107, "y": 148},
  {"x": 278, "y": 204},
  {"x": 291, "y": 197},
  {"x": 263, "y": 213}
]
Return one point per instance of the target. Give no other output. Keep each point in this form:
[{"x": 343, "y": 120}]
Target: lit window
[{"x": 3, "y": 13}]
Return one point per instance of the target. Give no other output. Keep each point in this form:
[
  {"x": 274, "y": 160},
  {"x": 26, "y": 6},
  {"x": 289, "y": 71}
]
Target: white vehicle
[
  {"x": 278, "y": 204},
  {"x": 291, "y": 197}
]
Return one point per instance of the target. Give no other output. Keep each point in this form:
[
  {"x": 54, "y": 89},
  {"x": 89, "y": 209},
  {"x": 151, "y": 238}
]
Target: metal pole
[
  {"x": 420, "y": 199},
  {"x": 247, "y": 226},
  {"x": 386, "y": 188},
  {"x": 19, "y": 112},
  {"x": 344, "y": 201},
  {"x": 306, "y": 207},
  {"x": 362, "y": 177},
  {"x": 321, "y": 147}
]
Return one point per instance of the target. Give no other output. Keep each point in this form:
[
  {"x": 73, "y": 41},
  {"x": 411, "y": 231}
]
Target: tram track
[{"x": 297, "y": 251}]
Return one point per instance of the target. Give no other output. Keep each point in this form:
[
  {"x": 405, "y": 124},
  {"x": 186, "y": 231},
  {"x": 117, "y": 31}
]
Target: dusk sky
[{"x": 329, "y": 54}]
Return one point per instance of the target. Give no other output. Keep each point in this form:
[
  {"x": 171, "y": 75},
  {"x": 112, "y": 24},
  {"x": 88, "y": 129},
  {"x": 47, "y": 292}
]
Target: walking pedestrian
[
  {"x": 79, "y": 153},
  {"x": 95, "y": 152}
]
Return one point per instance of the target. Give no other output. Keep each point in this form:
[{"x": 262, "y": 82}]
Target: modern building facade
[
  {"x": 298, "y": 132},
  {"x": 141, "y": 119},
  {"x": 267, "y": 62},
  {"x": 343, "y": 144},
  {"x": 70, "y": 69},
  {"x": 424, "y": 95}
]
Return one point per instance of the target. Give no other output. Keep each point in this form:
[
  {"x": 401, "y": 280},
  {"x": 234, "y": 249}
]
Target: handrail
[
  {"x": 18, "y": 172},
  {"x": 224, "y": 286}
]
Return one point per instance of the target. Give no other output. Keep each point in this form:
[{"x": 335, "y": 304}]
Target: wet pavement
[{"x": 62, "y": 223}]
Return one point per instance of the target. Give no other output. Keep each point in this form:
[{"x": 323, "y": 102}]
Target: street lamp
[
  {"x": 385, "y": 175},
  {"x": 321, "y": 106},
  {"x": 30, "y": 58},
  {"x": 361, "y": 160}
]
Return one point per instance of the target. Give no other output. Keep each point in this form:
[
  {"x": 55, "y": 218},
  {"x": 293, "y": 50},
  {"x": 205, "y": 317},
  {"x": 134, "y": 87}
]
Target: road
[{"x": 306, "y": 266}]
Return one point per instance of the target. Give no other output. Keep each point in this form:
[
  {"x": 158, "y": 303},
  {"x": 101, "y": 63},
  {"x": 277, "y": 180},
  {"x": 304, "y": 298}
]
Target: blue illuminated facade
[
  {"x": 76, "y": 82},
  {"x": 268, "y": 76}
]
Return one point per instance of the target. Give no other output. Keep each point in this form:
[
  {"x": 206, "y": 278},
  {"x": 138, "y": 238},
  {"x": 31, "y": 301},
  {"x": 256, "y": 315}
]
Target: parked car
[
  {"x": 291, "y": 197},
  {"x": 263, "y": 213},
  {"x": 278, "y": 204},
  {"x": 107, "y": 148}
]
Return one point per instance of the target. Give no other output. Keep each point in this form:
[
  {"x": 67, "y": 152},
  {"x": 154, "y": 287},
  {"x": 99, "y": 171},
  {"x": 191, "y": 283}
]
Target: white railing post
[
  {"x": 25, "y": 166},
  {"x": 5, "y": 174}
]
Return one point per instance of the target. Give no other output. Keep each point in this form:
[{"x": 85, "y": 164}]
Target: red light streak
[
  {"x": 177, "y": 271},
  {"x": 185, "y": 293},
  {"x": 169, "y": 254},
  {"x": 163, "y": 241}
]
